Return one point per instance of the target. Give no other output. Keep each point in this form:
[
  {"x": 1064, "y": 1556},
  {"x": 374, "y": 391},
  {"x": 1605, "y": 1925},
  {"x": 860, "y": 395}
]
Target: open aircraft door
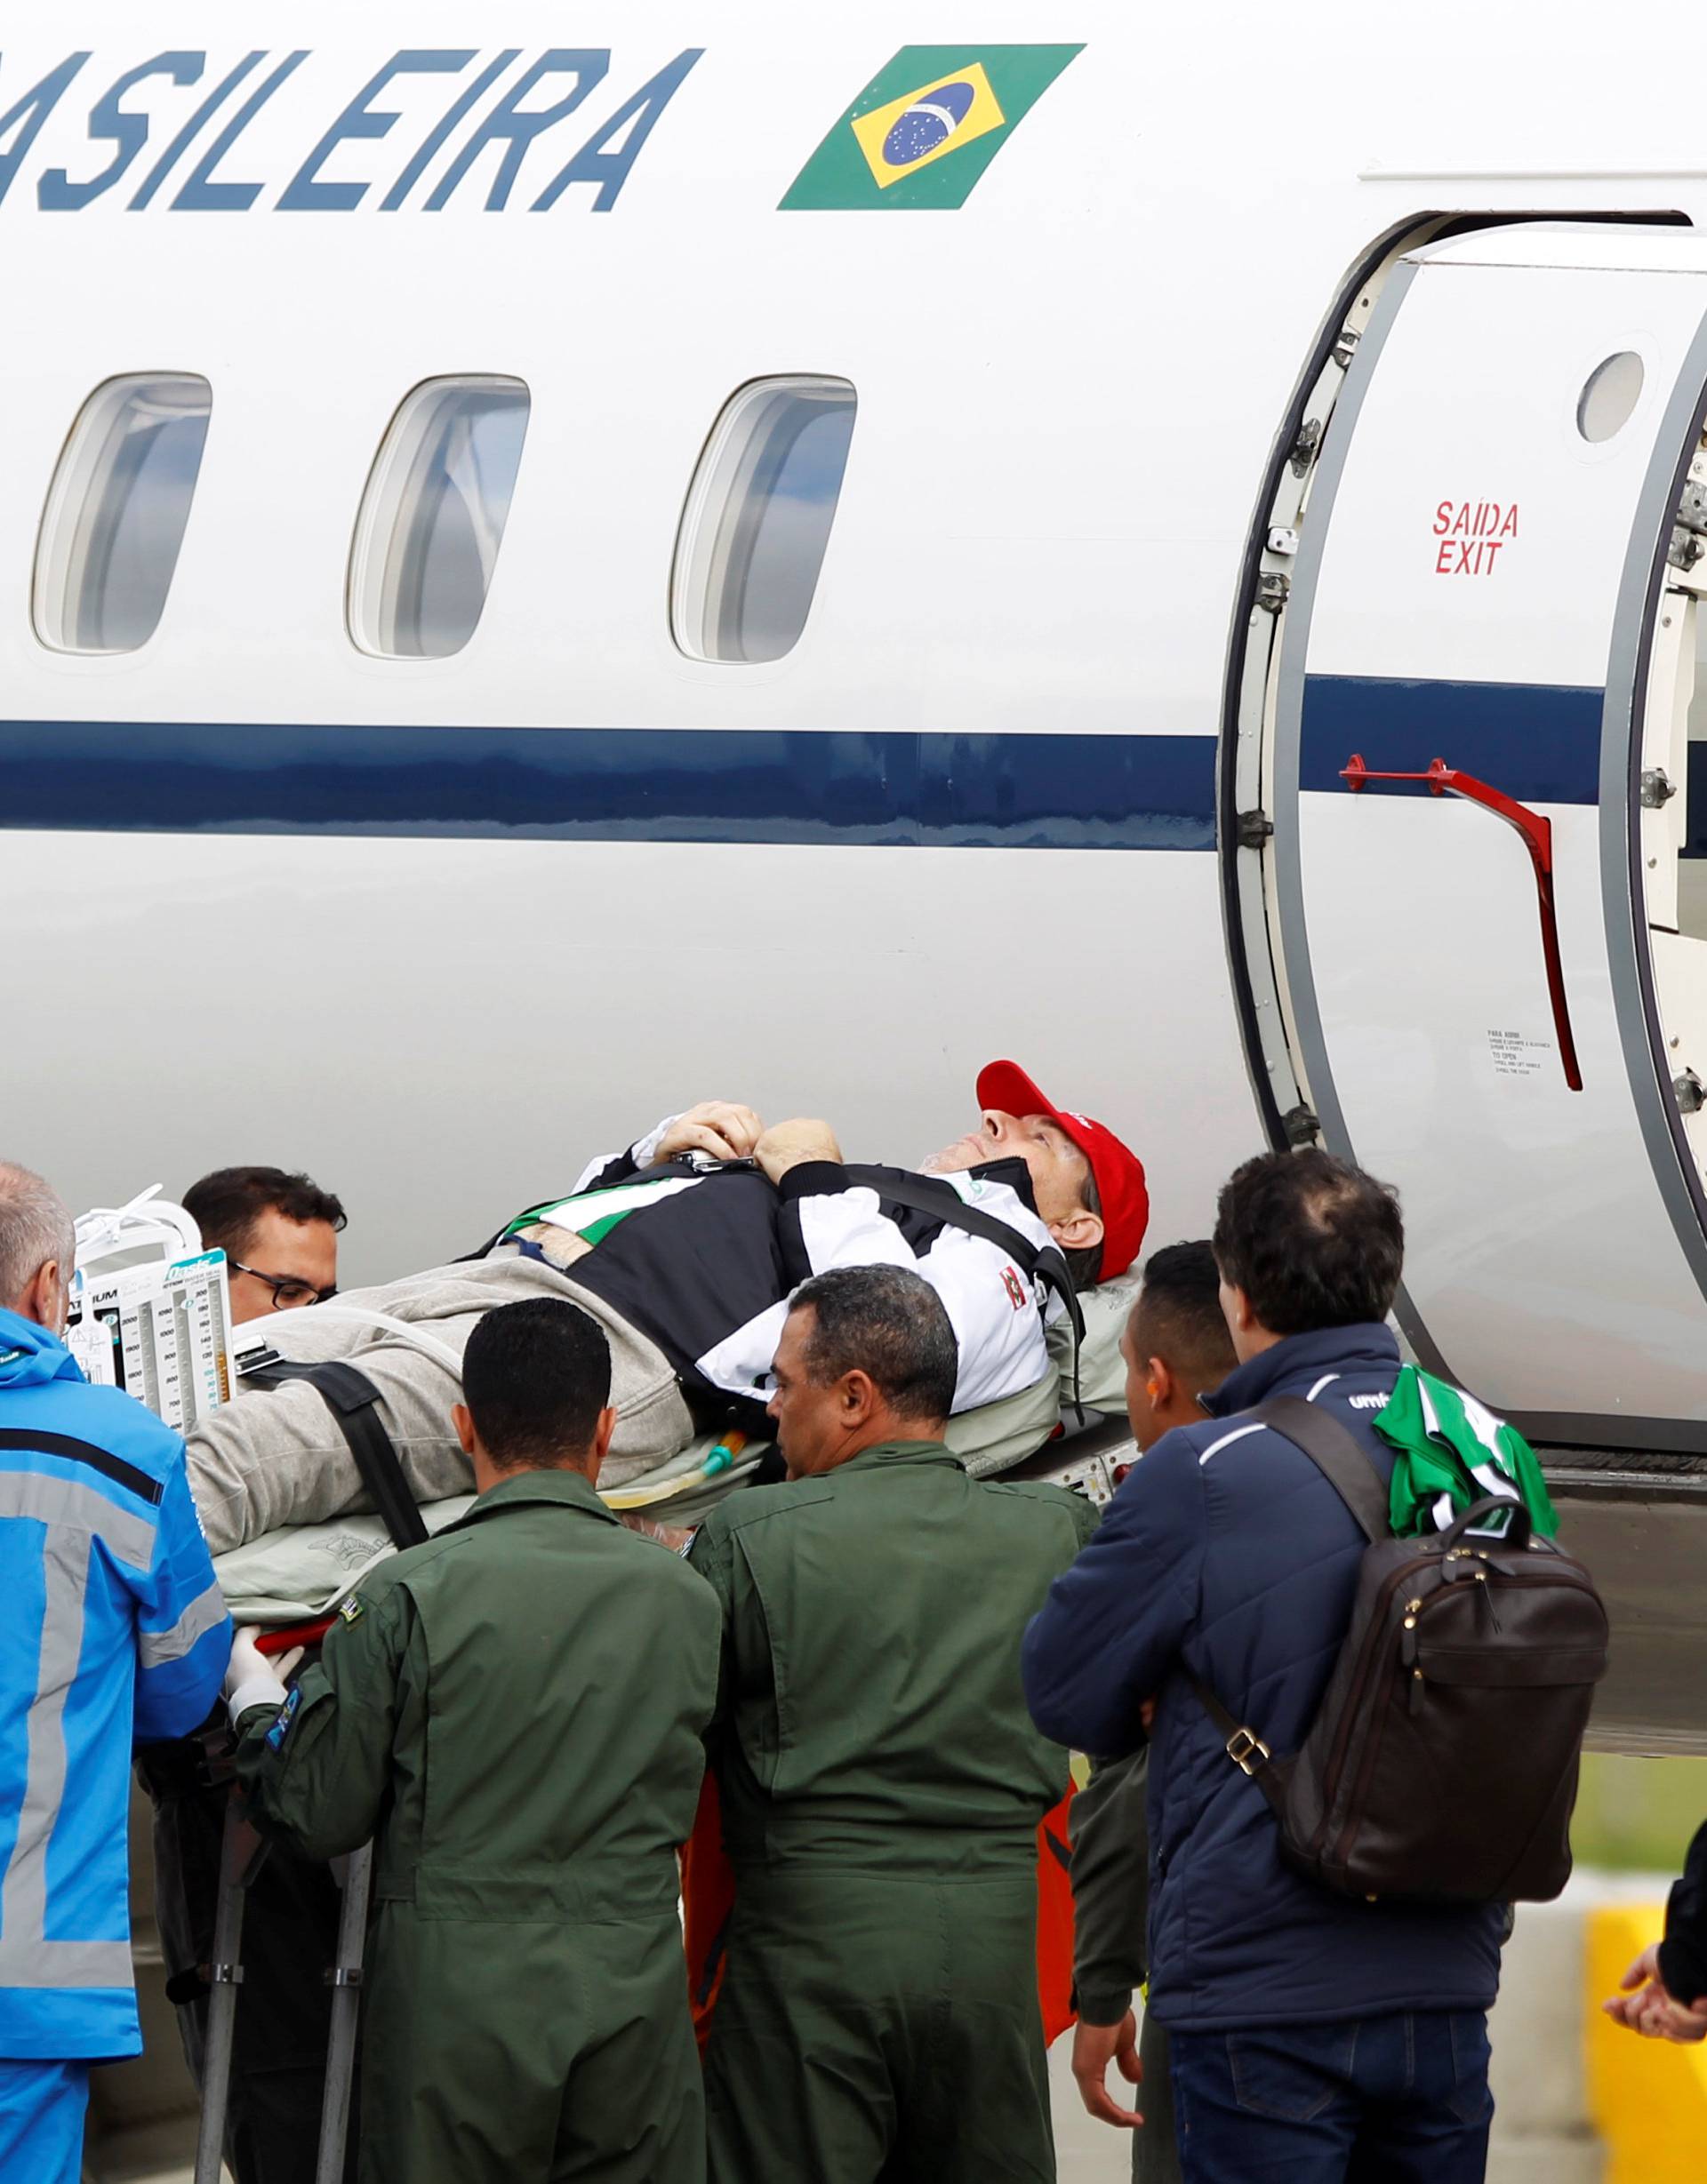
[{"x": 1454, "y": 801}]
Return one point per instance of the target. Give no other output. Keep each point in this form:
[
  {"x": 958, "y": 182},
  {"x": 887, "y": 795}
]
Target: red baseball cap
[{"x": 1119, "y": 1171}]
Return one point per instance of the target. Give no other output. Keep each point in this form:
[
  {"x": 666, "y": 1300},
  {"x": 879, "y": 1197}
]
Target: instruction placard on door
[
  {"x": 160, "y": 1331},
  {"x": 1518, "y": 1053}
]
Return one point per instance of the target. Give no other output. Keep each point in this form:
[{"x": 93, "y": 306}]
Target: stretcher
[{"x": 303, "y": 1571}]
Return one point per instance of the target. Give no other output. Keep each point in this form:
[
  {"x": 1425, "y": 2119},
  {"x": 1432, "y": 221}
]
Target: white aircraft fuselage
[{"x": 1229, "y": 400}]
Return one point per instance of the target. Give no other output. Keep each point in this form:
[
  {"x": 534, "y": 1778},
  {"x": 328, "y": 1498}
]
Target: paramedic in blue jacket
[
  {"x": 114, "y": 1631},
  {"x": 1313, "y": 2036}
]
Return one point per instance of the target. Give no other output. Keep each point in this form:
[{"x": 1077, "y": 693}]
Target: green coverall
[
  {"x": 514, "y": 1710},
  {"x": 1110, "y": 1831},
  {"x": 881, "y": 1785}
]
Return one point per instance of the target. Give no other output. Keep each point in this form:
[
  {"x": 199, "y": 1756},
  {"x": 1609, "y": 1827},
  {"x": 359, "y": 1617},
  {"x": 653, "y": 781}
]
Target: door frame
[{"x": 1283, "y": 987}]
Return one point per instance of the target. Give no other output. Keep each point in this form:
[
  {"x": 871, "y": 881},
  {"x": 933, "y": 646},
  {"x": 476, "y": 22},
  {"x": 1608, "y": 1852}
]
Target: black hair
[
  {"x": 1178, "y": 1315},
  {"x": 1312, "y": 1241},
  {"x": 227, "y": 1204},
  {"x": 890, "y": 1325},
  {"x": 535, "y": 1376}
]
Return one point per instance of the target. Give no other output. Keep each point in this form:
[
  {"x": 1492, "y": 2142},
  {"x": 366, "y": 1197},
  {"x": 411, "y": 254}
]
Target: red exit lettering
[{"x": 1471, "y": 533}]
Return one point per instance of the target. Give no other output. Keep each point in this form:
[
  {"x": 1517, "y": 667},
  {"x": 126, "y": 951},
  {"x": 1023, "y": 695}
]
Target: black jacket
[
  {"x": 704, "y": 1261},
  {"x": 1683, "y": 1953}
]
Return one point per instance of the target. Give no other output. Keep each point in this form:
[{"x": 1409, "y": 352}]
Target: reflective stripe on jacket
[{"x": 114, "y": 1630}]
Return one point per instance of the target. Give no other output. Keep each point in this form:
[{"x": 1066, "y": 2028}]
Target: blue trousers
[
  {"x": 41, "y": 2106},
  {"x": 1395, "y": 2099}
]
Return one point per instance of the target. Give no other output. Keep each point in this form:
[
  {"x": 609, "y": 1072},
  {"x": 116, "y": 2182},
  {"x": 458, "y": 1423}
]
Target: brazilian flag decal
[{"x": 925, "y": 128}]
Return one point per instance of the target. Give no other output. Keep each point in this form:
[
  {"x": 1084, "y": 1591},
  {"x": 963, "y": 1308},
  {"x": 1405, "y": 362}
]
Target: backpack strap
[
  {"x": 1038, "y": 1262},
  {"x": 1353, "y": 1476},
  {"x": 354, "y": 1401},
  {"x": 1336, "y": 1454},
  {"x": 1245, "y": 1748}
]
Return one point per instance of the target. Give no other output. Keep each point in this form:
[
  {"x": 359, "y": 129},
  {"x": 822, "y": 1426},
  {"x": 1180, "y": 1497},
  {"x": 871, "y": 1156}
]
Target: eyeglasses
[{"x": 289, "y": 1293}]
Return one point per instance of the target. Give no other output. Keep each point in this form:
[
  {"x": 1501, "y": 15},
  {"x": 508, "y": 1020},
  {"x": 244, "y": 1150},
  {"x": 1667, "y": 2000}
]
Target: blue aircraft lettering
[
  {"x": 302, "y": 193},
  {"x": 56, "y": 192},
  {"x": 604, "y": 162},
  {"x": 30, "y": 112}
]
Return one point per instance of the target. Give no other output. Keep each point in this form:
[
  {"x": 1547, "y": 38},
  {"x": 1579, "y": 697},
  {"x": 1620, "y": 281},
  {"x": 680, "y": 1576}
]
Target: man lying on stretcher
[{"x": 685, "y": 1248}]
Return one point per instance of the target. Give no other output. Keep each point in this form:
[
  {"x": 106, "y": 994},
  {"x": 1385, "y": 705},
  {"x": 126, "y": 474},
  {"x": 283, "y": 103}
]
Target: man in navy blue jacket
[{"x": 1314, "y": 2037}]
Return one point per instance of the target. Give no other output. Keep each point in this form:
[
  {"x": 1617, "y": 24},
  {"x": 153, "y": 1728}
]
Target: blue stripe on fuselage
[
  {"x": 1537, "y": 742},
  {"x": 1068, "y": 791}
]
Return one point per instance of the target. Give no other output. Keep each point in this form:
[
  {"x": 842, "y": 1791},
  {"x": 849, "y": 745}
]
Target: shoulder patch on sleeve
[
  {"x": 280, "y": 1728},
  {"x": 353, "y": 1608}
]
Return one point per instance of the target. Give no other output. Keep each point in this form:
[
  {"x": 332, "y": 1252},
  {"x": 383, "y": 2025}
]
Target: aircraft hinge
[
  {"x": 1690, "y": 1093},
  {"x": 1657, "y": 788},
  {"x": 1254, "y": 829},
  {"x": 1686, "y": 549},
  {"x": 1305, "y": 446},
  {"x": 1272, "y": 588},
  {"x": 1346, "y": 348},
  {"x": 1283, "y": 540},
  {"x": 1300, "y": 1126},
  {"x": 1688, "y": 544}
]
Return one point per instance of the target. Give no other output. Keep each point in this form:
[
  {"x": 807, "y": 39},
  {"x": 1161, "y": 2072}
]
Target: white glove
[{"x": 252, "y": 1679}]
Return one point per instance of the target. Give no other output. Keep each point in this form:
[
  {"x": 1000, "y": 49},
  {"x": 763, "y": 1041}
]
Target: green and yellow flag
[{"x": 925, "y": 128}]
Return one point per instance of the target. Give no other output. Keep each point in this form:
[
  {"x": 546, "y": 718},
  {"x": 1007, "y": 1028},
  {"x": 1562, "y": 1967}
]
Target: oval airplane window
[
  {"x": 759, "y": 518},
  {"x": 117, "y": 510},
  {"x": 1609, "y": 398},
  {"x": 433, "y": 516}
]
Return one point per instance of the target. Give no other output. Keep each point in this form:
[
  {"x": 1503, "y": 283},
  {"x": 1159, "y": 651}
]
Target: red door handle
[{"x": 1537, "y": 834}]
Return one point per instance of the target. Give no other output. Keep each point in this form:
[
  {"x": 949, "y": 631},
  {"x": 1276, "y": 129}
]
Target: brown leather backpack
[{"x": 1442, "y": 1762}]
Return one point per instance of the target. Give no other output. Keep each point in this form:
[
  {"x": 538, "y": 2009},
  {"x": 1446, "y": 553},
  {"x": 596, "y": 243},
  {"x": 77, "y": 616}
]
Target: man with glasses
[{"x": 278, "y": 1232}]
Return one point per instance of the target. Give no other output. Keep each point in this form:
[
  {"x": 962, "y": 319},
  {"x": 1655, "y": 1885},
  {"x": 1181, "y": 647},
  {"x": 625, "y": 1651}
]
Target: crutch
[
  {"x": 242, "y": 1849},
  {"x": 345, "y": 1980}
]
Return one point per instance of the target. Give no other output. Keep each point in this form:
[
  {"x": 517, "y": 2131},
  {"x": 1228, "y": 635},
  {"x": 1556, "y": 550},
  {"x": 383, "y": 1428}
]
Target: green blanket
[{"x": 1454, "y": 1453}]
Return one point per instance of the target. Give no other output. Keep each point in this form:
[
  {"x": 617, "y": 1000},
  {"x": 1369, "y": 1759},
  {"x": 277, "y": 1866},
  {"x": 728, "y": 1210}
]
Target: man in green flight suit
[
  {"x": 514, "y": 1709},
  {"x": 881, "y": 1783}
]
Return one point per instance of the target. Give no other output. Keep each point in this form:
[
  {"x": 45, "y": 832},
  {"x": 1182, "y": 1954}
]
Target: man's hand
[
  {"x": 251, "y": 1679},
  {"x": 786, "y": 1145},
  {"x": 1645, "y": 2006},
  {"x": 720, "y": 1127},
  {"x": 1095, "y": 2048},
  {"x": 675, "y": 1537}
]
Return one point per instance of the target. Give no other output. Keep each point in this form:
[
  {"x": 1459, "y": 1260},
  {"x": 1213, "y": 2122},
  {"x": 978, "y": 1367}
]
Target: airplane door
[{"x": 1472, "y": 742}]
